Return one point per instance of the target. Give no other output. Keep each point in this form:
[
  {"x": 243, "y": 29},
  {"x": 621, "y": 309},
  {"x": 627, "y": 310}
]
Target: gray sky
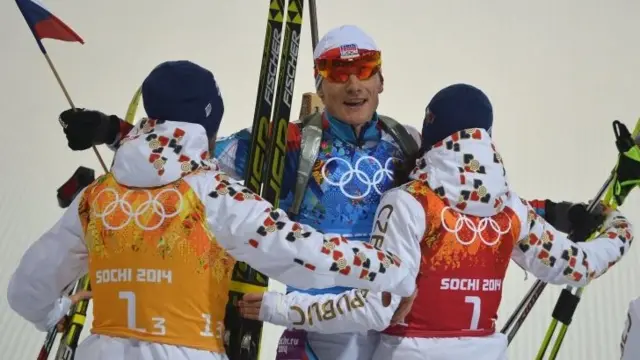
[{"x": 558, "y": 73}]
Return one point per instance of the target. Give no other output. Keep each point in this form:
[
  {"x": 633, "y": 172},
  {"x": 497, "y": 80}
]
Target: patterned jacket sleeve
[
  {"x": 56, "y": 260},
  {"x": 355, "y": 310},
  {"x": 253, "y": 232},
  {"x": 550, "y": 256},
  {"x": 399, "y": 226}
]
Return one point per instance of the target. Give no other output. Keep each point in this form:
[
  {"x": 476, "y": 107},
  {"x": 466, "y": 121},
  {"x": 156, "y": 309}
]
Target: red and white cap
[{"x": 348, "y": 38}]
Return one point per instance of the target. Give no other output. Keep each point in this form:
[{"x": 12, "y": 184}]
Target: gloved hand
[
  {"x": 84, "y": 128},
  {"x": 573, "y": 218}
]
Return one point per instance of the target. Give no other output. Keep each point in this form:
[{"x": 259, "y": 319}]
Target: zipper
[{"x": 359, "y": 141}]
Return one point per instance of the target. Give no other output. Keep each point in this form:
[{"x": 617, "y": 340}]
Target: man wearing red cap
[{"x": 159, "y": 235}]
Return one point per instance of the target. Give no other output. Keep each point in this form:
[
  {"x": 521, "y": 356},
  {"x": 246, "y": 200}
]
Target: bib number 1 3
[{"x": 159, "y": 327}]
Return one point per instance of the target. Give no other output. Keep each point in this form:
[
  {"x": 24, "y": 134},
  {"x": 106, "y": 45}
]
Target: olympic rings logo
[
  {"x": 372, "y": 183},
  {"x": 152, "y": 205},
  {"x": 462, "y": 221}
]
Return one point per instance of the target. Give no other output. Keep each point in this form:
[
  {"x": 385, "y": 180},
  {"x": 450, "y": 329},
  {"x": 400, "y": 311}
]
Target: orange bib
[{"x": 157, "y": 274}]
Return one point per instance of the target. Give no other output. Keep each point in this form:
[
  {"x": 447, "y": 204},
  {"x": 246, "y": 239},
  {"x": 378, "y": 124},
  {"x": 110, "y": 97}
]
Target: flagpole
[
  {"x": 66, "y": 94},
  {"x": 35, "y": 13}
]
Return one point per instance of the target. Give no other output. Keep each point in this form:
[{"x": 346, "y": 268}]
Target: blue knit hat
[
  {"x": 183, "y": 91},
  {"x": 455, "y": 108}
]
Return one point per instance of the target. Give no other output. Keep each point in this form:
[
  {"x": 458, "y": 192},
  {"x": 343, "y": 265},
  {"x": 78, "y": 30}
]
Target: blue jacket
[{"x": 347, "y": 180}]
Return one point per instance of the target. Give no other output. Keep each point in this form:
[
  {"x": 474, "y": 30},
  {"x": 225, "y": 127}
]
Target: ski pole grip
[
  {"x": 624, "y": 140},
  {"x": 565, "y": 307}
]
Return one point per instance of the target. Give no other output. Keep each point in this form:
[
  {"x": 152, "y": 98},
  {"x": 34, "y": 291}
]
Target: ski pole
[
  {"x": 566, "y": 295},
  {"x": 529, "y": 300},
  {"x": 568, "y": 301},
  {"x": 523, "y": 309},
  {"x": 532, "y": 296},
  {"x": 50, "y": 339},
  {"x": 313, "y": 20}
]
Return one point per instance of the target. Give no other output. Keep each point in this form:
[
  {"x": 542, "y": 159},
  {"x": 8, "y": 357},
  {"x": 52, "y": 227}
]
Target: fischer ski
[
  {"x": 284, "y": 97},
  {"x": 243, "y": 336},
  {"x": 50, "y": 339},
  {"x": 74, "y": 325}
]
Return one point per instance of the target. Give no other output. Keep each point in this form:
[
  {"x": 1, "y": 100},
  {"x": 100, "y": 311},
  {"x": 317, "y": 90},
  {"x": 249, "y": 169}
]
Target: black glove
[
  {"x": 573, "y": 218},
  {"x": 84, "y": 128},
  {"x": 82, "y": 178}
]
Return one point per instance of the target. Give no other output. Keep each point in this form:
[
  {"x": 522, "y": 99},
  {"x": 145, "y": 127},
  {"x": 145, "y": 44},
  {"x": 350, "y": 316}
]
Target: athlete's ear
[
  {"x": 381, "y": 88},
  {"x": 320, "y": 93}
]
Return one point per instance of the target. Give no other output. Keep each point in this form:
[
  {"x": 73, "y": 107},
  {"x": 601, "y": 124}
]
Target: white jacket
[
  {"x": 361, "y": 310},
  {"x": 630, "y": 342},
  {"x": 243, "y": 223}
]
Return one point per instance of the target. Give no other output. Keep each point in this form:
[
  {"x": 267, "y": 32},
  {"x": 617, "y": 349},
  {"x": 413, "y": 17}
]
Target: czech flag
[{"x": 44, "y": 24}]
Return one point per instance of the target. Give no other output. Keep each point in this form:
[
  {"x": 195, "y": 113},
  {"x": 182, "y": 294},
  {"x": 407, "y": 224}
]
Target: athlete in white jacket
[
  {"x": 159, "y": 235},
  {"x": 630, "y": 342},
  {"x": 459, "y": 225}
]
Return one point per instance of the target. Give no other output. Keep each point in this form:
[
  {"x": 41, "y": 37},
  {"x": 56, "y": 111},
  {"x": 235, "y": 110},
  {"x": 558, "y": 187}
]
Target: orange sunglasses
[{"x": 335, "y": 69}]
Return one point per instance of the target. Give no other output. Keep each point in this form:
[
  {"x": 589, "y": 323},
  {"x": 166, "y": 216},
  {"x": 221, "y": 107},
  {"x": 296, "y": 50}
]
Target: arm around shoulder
[
  {"x": 354, "y": 310},
  {"x": 254, "y": 232},
  {"x": 398, "y": 227}
]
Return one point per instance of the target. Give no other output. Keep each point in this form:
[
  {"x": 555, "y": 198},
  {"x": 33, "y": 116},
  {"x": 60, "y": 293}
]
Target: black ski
[
  {"x": 286, "y": 81},
  {"x": 75, "y": 324},
  {"x": 243, "y": 336}
]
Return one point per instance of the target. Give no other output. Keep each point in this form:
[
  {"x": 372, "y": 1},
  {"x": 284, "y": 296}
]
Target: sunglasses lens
[{"x": 338, "y": 70}]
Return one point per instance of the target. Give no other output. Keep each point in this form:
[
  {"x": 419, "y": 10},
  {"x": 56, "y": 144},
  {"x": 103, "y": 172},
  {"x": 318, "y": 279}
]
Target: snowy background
[{"x": 557, "y": 72}]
